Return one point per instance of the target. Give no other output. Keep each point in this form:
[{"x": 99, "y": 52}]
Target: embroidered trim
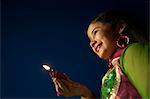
[{"x": 116, "y": 83}]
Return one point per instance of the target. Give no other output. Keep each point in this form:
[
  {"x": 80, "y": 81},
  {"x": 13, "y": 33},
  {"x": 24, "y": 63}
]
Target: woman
[{"x": 113, "y": 38}]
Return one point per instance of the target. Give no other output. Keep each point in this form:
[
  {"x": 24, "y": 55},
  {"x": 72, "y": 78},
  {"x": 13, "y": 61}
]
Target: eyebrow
[
  {"x": 90, "y": 34},
  {"x": 94, "y": 30}
]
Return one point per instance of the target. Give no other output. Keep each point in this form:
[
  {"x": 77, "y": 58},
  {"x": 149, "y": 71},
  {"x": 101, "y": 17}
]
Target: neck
[{"x": 116, "y": 54}]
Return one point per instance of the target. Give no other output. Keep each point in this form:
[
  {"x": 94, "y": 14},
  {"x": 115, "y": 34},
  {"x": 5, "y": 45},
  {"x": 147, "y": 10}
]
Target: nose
[{"x": 92, "y": 43}]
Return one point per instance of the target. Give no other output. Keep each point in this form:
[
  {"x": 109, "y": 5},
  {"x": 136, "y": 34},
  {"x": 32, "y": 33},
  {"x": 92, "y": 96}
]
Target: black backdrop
[{"x": 53, "y": 32}]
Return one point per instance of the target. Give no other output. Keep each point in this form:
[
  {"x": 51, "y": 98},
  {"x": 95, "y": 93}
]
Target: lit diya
[{"x": 54, "y": 73}]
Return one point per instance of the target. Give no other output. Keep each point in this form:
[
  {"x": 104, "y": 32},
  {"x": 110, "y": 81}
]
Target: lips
[{"x": 98, "y": 47}]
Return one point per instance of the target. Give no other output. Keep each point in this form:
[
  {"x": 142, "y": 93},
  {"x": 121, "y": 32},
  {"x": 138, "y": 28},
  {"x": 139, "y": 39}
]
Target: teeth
[{"x": 98, "y": 48}]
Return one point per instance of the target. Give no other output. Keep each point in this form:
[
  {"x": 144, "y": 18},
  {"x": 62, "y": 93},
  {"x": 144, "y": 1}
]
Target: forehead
[
  {"x": 92, "y": 26},
  {"x": 97, "y": 25}
]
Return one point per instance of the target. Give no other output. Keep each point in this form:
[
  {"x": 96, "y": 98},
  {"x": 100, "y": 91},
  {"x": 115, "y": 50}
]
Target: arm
[{"x": 134, "y": 63}]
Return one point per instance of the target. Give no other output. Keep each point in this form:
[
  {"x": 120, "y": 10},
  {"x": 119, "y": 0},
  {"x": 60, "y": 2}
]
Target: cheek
[
  {"x": 109, "y": 45},
  {"x": 112, "y": 48},
  {"x": 110, "y": 40}
]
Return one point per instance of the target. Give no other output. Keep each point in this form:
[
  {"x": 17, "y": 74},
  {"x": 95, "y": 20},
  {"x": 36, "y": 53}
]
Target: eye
[{"x": 95, "y": 32}]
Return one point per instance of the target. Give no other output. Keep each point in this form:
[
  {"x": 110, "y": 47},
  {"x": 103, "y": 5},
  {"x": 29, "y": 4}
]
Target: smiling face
[{"x": 102, "y": 39}]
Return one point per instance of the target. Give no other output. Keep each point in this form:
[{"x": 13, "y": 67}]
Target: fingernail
[{"x": 58, "y": 94}]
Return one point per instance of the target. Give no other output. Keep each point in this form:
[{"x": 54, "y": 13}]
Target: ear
[{"x": 121, "y": 25}]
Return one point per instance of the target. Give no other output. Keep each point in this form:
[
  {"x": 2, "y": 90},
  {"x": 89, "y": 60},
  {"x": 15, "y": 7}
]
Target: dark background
[{"x": 35, "y": 32}]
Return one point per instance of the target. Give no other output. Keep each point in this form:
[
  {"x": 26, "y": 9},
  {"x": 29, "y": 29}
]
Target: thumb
[{"x": 67, "y": 77}]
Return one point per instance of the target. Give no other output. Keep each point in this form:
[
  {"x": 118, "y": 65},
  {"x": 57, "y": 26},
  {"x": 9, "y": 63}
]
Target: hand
[{"x": 67, "y": 87}]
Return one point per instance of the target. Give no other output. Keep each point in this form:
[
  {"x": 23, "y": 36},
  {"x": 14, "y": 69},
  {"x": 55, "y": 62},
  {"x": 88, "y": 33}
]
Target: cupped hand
[{"x": 66, "y": 87}]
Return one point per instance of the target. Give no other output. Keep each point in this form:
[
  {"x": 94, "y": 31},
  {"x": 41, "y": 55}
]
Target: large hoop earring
[{"x": 122, "y": 41}]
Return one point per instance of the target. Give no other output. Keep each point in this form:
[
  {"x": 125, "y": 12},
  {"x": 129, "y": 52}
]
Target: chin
[{"x": 105, "y": 57}]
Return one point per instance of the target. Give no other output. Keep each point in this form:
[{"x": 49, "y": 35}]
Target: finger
[
  {"x": 55, "y": 83},
  {"x": 67, "y": 78},
  {"x": 63, "y": 86},
  {"x": 57, "y": 88},
  {"x": 68, "y": 82},
  {"x": 61, "y": 89},
  {"x": 66, "y": 75},
  {"x": 66, "y": 90},
  {"x": 52, "y": 73}
]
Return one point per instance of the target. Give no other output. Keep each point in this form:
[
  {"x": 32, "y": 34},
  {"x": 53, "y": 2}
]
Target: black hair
[{"x": 136, "y": 30}]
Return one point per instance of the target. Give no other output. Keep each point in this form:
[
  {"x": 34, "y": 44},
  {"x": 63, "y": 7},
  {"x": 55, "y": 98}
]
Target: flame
[{"x": 46, "y": 67}]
